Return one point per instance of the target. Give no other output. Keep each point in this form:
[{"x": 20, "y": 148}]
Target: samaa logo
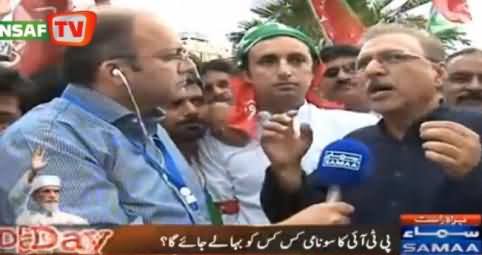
[
  {"x": 461, "y": 247},
  {"x": 64, "y": 29}
]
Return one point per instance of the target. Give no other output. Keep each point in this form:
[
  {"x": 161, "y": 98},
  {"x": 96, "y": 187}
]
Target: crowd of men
[{"x": 142, "y": 134}]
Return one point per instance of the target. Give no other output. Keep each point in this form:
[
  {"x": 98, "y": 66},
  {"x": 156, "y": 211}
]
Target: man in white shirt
[
  {"x": 278, "y": 62},
  {"x": 40, "y": 196}
]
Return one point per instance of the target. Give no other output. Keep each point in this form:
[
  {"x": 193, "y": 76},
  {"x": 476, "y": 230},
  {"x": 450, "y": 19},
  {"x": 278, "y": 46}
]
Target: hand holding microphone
[
  {"x": 334, "y": 213},
  {"x": 285, "y": 146}
]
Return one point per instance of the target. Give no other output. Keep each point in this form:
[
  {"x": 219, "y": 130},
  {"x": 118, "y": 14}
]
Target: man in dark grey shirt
[{"x": 427, "y": 154}]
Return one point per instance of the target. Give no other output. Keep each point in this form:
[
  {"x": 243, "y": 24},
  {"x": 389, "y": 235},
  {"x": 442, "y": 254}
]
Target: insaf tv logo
[{"x": 63, "y": 29}]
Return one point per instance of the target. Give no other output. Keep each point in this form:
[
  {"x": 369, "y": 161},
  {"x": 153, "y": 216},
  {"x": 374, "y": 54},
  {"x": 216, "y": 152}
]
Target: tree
[{"x": 297, "y": 13}]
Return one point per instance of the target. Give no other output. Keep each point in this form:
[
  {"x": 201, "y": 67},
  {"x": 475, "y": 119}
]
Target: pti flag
[
  {"x": 453, "y": 10},
  {"x": 338, "y": 22}
]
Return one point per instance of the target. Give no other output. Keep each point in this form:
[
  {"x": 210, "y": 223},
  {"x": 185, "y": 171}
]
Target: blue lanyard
[
  {"x": 170, "y": 172},
  {"x": 171, "y": 175},
  {"x": 174, "y": 175}
]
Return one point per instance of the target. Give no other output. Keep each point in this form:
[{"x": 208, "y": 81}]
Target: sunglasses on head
[{"x": 333, "y": 72}]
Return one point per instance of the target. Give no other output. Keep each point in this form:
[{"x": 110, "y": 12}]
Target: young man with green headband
[{"x": 278, "y": 63}]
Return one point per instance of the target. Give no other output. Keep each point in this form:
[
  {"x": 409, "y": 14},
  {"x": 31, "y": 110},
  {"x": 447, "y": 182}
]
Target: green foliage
[{"x": 297, "y": 13}]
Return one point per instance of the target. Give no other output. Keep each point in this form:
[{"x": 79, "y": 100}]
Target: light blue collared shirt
[{"x": 91, "y": 145}]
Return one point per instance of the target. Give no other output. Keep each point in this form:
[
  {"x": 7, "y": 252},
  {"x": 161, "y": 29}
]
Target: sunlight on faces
[
  {"x": 406, "y": 80},
  {"x": 281, "y": 70}
]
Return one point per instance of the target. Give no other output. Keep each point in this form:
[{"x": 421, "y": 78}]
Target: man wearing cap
[
  {"x": 46, "y": 194},
  {"x": 40, "y": 197},
  {"x": 278, "y": 64}
]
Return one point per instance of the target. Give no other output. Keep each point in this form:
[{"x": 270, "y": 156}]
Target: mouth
[
  {"x": 224, "y": 98},
  {"x": 50, "y": 202},
  {"x": 193, "y": 127},
  {"x": 286, "y": 86},
  {"x": 182, "y": 83},
  {"x": 470, "y": 99},
  {"x": 344, "y": 86},
  {"x": 377, "y": 89}
]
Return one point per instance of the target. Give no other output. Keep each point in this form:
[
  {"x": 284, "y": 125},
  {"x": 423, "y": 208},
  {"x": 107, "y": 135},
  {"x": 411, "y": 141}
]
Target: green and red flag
[
  {"x": 338, "y": 22},
  {"x": 453, "y": 10}
]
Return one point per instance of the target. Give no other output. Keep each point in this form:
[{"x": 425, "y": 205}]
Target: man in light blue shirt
[{"x": 113, "y": 169}]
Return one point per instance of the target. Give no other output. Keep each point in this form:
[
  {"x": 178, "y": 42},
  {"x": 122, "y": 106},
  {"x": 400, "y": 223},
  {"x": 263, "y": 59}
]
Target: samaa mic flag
[
  {"x": 453, "y": 10},
  {"x": 338, "y": 22}
]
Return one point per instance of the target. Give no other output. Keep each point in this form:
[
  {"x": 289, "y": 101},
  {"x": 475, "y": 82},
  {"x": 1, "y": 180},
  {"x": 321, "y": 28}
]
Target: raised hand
[
  {"x": 285, "y": 147},
  {"x": 39, "y": 161},
  {"x": 452, "y": 145}
]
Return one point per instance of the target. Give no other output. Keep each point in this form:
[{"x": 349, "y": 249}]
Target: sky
[
  {"x": 213, "y": 18},
  {"x": 216, "y": 18}
]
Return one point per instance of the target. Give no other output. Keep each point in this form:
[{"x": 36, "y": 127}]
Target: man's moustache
[
  {"x": 470, "y": 95},
  {"x": 191, "y": 122},
  {"x": 222, "y": 98}
]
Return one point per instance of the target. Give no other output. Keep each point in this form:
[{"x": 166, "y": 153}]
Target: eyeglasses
[
  {"x": 165, "y": 54},
  {"x": 333, "y": 72},
  {"x": 181, "y": 54},
  {"x": 386, "y": 58}
]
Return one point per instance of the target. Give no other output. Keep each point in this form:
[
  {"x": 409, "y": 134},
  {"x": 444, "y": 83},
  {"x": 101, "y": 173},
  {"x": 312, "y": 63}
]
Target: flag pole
[{"x": 319, "y": 22}]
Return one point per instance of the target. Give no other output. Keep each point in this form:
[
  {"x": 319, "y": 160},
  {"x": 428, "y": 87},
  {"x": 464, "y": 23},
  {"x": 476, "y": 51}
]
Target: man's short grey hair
[{"x": 431, "y": 45}]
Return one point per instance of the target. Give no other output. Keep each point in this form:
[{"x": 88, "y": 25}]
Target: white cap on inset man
[{"x": 44, "y": 181}]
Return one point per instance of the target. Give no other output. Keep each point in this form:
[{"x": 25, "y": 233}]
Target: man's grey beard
[{"x": 51, "y": 207}]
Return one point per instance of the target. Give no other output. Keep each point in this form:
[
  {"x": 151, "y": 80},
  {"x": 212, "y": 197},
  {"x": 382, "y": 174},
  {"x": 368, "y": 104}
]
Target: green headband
[{"x": 267, "y": 31}]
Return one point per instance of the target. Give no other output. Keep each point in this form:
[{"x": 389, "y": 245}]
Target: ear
[
  {"x": 440, "y": 74},
  {"x": 106, "y": 69},
  {"x": 246, "y": 75}
]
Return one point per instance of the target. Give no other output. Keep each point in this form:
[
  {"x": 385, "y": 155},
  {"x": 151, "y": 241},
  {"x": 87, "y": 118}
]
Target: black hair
[
  {"x": 13, "y": 83},
  {"x": 466, "y": 51},
  {"x": 220, "y": 65},
  {"x": 331, "y": 53},
  {"x": 113, "y": 37}
]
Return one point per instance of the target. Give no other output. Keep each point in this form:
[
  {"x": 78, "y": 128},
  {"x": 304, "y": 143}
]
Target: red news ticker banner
[
  {"x": 169, "y": 239},
  {"x": 440, "y": 219}
]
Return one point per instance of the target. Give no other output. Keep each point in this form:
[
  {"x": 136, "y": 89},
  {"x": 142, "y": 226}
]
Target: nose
[
  {"x": 374, "y": 68},
  {"x": 343, "y": 76},
  {"x": 190, "y": 109},
  {"x": 218, "y": 91},
  {"x": 284, "y": 69},
  {"x": 52, "y": 195},
  {"x": 186, "y": 65},
  {"x": 475, "y": 84}
]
